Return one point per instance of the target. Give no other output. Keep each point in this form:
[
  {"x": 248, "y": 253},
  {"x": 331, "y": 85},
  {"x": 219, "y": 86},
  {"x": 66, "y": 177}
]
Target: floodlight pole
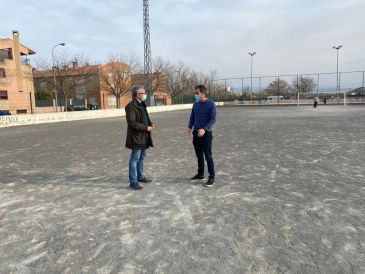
[
  {"x": 337, "y": 48},
  {"x": 252, "y": 55}
]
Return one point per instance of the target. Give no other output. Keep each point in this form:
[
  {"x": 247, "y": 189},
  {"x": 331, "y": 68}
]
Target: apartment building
[{"x": 16, "y": 79}]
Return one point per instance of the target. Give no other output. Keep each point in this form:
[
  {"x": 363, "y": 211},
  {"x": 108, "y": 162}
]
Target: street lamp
[
  {"x": 252, "y": 54},
  {"x": 337, "y": 48},
  {"x": 54, "y": 73}
]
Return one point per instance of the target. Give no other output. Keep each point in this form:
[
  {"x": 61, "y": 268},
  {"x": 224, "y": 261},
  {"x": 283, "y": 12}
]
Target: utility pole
[{"x": 147, "y": 51}]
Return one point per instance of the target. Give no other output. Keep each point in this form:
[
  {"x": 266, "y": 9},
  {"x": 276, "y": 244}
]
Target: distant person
[
  {"x": 138, "y": 136},
  {"x": 202, "y": 119},
  {"x": 325, "y": 101},
  {"x": 315, "y": 102}
]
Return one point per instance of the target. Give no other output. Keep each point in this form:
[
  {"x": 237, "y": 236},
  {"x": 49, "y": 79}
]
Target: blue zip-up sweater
[{"x": 203, "y": 115}]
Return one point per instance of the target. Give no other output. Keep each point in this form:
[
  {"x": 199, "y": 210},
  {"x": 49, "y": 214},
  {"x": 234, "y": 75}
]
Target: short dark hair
[{"x": 201, "y": 88}]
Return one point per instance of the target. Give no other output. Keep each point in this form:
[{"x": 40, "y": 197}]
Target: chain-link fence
[{"x": 329, "y": 88}]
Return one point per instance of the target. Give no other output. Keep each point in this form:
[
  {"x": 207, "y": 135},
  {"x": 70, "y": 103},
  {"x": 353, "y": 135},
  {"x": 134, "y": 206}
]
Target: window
[
  {"x": 3, "y": 95},
  {"x": 112, "y": 101},
  {"x": 2, "y": 73},
  {"x": 124, "y": 74},
  {"x": 92, "y": 100},
  {"x": 80, "y": 93},
  {"x": 5, "y": 54},
  {"x": 21, "y": 111}
]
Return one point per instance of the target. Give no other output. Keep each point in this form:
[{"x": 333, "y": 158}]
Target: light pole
[
  {"x": 337, "y": 48},
  {"x": 54, "y": 73},
  {"x": 252, "y": 54}
]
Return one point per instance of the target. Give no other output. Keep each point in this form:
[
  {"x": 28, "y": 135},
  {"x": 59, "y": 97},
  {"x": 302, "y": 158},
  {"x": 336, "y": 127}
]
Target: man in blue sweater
[{"x": 202, "y": 119}]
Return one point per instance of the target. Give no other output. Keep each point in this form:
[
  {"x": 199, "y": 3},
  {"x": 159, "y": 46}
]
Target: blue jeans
[{"x": 136, "y": 165}]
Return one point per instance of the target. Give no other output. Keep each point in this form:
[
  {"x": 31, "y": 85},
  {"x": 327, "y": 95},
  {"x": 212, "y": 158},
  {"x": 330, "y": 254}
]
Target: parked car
[
  {"x": 76, "y": 108},
  {"x": 4, "y": 113},
  {"x": 93, "y": 106}
]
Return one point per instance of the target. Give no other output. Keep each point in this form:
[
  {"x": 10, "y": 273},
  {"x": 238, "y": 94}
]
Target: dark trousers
[{"x": 203, "y": 147}]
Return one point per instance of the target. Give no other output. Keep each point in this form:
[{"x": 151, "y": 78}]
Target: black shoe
[
  {"x": 198, "y": 177},
  {"x": 210, "y": 182},
  {"x": 135, "y": 186},
  {"x": 144, "y": 180}
]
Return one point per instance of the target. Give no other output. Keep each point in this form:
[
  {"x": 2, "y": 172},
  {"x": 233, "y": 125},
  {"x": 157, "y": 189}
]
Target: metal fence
[
  {"x": 331, "y": 88},
  {"x": 44, "y": 103}
]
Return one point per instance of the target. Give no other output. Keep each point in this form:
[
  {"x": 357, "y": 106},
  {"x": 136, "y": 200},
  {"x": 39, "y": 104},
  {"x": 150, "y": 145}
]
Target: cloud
[{"x": 289, "y": 36}]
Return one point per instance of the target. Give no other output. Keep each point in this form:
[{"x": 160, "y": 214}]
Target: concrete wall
[
  {"x": 45, "y": 109},
  {"x": 18, "y": 120}
]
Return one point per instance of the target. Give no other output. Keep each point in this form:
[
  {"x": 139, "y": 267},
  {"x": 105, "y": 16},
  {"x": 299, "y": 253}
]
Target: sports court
[{"x": 289, "y": 196}]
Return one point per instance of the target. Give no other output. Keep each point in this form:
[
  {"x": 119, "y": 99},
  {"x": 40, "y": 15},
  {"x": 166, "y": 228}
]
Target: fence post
[
  {"x": 318, "y": 84},
  {"x": 339, "y": 81},
  {"x": 344, "y": 98},
  {"x": 297, "y": 90},
  {"x": 362, "y": 88},
  {"x": 225, "y": 89},
  {"x": 242, "y": 91},
  {"x": 278, "y": 89},
  {"x": 259, "y": 90}
]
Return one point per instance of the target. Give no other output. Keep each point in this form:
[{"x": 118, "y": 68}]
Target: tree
[
  {"x": 277, "y": 87},
  {"x": 177, "y": 79},
  {"x": 115, "y": 75},
  {"x": 159, "y": 75},
  {"x": 304, "y": 84},
  {"x": 68, "y": 74},
  {"x": 43, "y": 95}
]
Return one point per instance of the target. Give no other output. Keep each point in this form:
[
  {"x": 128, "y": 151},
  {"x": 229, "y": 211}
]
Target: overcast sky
[{"x": 289, "y": 36}]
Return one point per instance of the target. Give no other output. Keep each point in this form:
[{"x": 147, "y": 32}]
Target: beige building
[{"x": 16, "y": 80}]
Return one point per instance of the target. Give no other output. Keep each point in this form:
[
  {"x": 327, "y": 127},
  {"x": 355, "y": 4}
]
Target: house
[
  {"x": 16, "y": 80},
  {"x": 94, "y": 83}
]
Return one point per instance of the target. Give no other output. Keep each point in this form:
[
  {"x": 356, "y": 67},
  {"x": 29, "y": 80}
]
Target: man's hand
[
  {"x": 149, "y": 129},
  {"x": 201, "y": 132},
  {"x": 153, "y": 125},
  {"x": 190, "y": 132}
]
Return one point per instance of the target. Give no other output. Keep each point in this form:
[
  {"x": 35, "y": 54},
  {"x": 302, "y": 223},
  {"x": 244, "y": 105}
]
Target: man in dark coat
[{"x": 138, "y": 136}]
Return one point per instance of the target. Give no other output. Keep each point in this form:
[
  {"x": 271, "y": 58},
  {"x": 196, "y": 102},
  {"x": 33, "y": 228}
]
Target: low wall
[
  {"x": 31, "y": 119},
  {"x": 45, "y": 110}
]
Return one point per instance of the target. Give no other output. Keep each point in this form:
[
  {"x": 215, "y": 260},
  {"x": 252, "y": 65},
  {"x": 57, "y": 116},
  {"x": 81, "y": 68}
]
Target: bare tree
[
  {"x": 115, "y": 75},
  {"x": 159, "y": 80},
  {"x": 177, "y": 79},
  {"x": 67, "y": 75},
  {"x": 304, "y": 84}
]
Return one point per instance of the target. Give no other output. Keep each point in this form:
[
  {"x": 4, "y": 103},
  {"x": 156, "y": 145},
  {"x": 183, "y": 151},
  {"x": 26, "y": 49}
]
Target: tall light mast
[{"x": 147, "y": 51}]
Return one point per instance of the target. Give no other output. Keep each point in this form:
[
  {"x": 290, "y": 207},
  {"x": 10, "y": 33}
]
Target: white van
[{"x": 274, "y": 98}]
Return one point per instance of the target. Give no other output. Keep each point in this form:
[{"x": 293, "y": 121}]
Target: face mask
[
  {"x": 144, "y": 98},
  {"x": 197, "y": 98}
]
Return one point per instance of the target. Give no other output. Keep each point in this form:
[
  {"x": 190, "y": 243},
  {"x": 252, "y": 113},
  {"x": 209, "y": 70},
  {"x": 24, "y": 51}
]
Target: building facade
[
  {"x": 16, "y": 79},
  {"x": 95, "y": 85}
]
